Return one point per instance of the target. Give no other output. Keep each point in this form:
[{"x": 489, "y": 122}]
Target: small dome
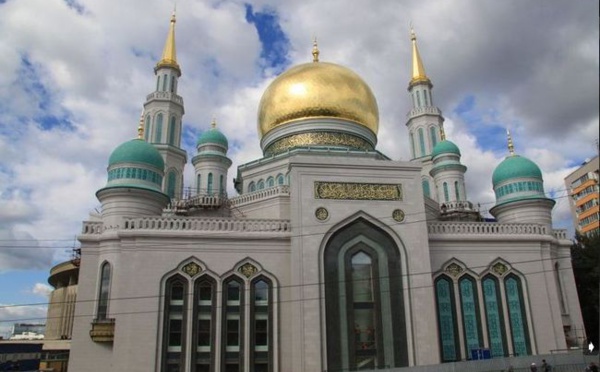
[
  {"x": 213, "y": 135},
  {"x": 515, "y": 166},
  {"x": 317, "y": 90},
  {"x": 445, "y": 147},
  {"x": 137, "y": 151}
]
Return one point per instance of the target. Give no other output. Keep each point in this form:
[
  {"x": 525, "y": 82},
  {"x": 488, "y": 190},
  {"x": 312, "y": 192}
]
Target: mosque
[{"x": 331, "y": 256}]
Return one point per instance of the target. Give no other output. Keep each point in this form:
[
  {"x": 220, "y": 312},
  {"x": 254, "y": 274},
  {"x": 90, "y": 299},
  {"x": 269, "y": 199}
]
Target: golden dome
[{"x": 317, "y": 90}]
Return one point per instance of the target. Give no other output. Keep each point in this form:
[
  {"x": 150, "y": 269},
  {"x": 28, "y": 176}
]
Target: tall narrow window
[
  {"x": 261, "y": 337},
  {"x": 103, "y": 292},
  {"x": 561, "y": 296},
  {"x": 516, "y": 315},
  {"x": 426, "y": 190},
  {"x": 209, "y": 186},
  {"x": 158, "y": 132},
  {"x": 470, "y": 314},
  {"x": 412, "y": 144},
  {"x": 444, "y": 294},
  {"x": 446, "y": 193},
  {"x": 280, "y": 179},
  {"x": 147, "y": 128},
  {"x": 205, "y": 306},
  {"x": 425, "y": 98},
  {"x": 164, "y": 85},
  {"x": 422, "y": 142},
  {"x": 494, "y": 317},
  {"x": 198, "y": 184},
  {"x": 172, "y": 131},
  {"x": 171, "y": 184},
  {"x": 456, "y": 191},
  {"x": 270, "y": 182},
  {"x": 260, "y": 185},
  {"x": 221, "y": 185},
  {"x": 418, "y": 99},
  {"x": 252, "y": 187},
  {"x": 172, "y": 84},
  {"x": 174, "y": 324},
  {"x": 232, "y": 344},
  {"x": 433, "y": 135}
]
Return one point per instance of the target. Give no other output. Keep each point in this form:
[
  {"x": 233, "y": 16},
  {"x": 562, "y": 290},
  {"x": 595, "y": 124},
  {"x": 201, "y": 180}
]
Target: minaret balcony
[
  {"x": 459, "y": 211},
  {"x": 103, "y": 330},
  {"x": 202, "y": 200},
  {"x": 165, "y": 96},
  {"x": 428, "y": 110}
]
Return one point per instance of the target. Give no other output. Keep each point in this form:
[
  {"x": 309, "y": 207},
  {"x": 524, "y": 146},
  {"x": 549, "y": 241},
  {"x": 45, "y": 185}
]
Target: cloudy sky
[{"x": 75, "y": 74}]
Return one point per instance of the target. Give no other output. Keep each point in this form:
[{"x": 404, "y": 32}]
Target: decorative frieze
[
  {"x": 357, "y": 191},
  {"x": 499, "y": 268},
  {"x": 454, "y": 269},
  {"x": 248, "y": 270}
]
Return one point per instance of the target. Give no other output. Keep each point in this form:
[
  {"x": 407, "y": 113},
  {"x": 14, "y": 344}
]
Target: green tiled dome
[
  {"x": 515, "y": 166},
  {"x": 213, "y": 136},
  {"x": 445, "y": 147},
  {"x": 137, "y": 151}
]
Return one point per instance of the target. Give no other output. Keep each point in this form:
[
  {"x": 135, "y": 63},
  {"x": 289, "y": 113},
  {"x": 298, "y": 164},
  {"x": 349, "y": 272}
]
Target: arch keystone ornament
[
  {"x": 499, "y": 268},
  {"x": 454, "y": 269},
  {"x": 248, "y": 270},
  {"x": 321, "y": 214},
  {"x": 191, "y": 269}
]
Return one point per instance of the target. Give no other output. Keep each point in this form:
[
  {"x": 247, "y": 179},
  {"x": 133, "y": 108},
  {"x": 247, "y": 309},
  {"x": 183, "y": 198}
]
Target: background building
[
  {"x": 583, "y": 188},
  {"x": 331, "y": 257}
]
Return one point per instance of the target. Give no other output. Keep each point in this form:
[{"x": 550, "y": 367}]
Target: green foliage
[{"x": 585, "y": 255}]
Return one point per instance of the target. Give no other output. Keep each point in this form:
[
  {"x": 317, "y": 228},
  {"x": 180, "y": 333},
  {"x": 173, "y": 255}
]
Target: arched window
[
  {"x": 456, "y": 191},
  {"x": 157, "y": 83},
  {"x": 446, "y": 193},
  {"x": 433, "y": 135},
  {"x": 444, "y": 295},
  {"x": 252, "y": 187},
  {"x": 221, "y": 185},
  {"x": 205, "y": 312},
  {"x": 158, "y": 132},
  {"x": 422, "y": 142},
  {"x": 164, "y": 85},
  {"x": 270, "y": 182},
  {"x": 494, "y": 316},
  {"x": 261, "y": 327},
  {"x": 517, "y": 316},
  {"x": 172, "y": 84},
  {"x": 559, "y": 288},
  {"x": 147, "y": 128},
  {"x": 280, "y": 179},
  {"x": 232, "y": 327},
  {"x": 260, "y": 185},
  {"x": 426, "y": 190},
  {"x": 412, "y": 144},
  {"x": 103, "y": 292},
  {"x": 171, "y": 184},
  {"x": 425, "y": 98},
  {"x": 418, "y": 99},
  {"x": 469, "y": 304},
  {"x": 172, "y": 131},
  {"x": 363, "y": 300},
  {"x": 198, "y": 184},
  {"x": 209, "y": 186},
  {"x": 174, "y": 335}
]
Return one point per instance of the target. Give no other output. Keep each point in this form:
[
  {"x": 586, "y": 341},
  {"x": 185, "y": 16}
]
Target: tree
[{"x": 585, "y": 255}]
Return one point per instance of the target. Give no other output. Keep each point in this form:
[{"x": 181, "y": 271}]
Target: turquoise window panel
[
  {"x": 433, "y": 135},
  {"x": 147, "y": 128},
  {"x": 422, "y": 141},
  {"x": 209, "y": 186},
  {"x": 426, "y": 189},
  {"x": 456, "y": 190},
  {"x": 158, "y": 131},
  {"x": 172, "y": 130},
  {"x": 446, "y": 193},
  {"x": 516, "y": 314},
  {"x": 494, "y": 317},
  {"x": 171, "y": 183},
  {"x": 470, "y": 311},
  {"x": 280, "y": 179},
  {"x": 412, "y": 144},
  {"x": 446, "y": 319}
]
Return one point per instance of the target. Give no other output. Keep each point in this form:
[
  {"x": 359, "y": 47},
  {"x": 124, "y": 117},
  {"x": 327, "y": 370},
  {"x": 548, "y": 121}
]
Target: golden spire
[
  {"x": 140, "y": 128},
  {"x": 442, "y": 133},
  {"x": 315, "y": 50},
  {"x": 213, "y": 123},
  {"x": 169, "y": 56},
  {"x": 511, "y": 147},
  {"x": 418, "y": 71}
]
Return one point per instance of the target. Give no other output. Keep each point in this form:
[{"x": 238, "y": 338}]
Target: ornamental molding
[
  {"x": 454, "y": 269},
  {"x": 357, "y": 191},
  {"x": 318, "y": 139},
  {"x": 248, "y": 270},
  {"x": 321, "y": 214},
  {"x": 398, "y": 215},
  {"x": 191, "y": 269},
  {"x": 499, "y": 268}
]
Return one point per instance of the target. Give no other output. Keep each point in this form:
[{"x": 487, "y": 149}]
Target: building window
[
  {"x": 469, "y": 305},
  {"x": 198, "y": 184},
  {"x": 232, "y": 327},
  {"x": 174, "y": 324},
  {"x": 446, "y": 193},
  {"x": 561, "y": 298},
  {"x": 280, "y": 179},
  {"x": 444, "y": 294},
  {"x": 252, "y": 187},
  {"x": 209, "y": 185},
  {"x": 363, "y": 292},
  {"x": 158, "y": 132},
  {"x": 426, "y": 190},
  {"x": 260, "y": 185},
  {"x": 494, "y": 317},
  {"x": 433, "y": 135},
  {"x": 516, "y": 316},
  {"x": 171, "y": 184},
  {"x": 172, "y": 84},
  {"x": 205, "y": 305},
  {"x": 103, "y": 292},
  {"x": 164, "y": 85},
  {"x": 456, "y": 191},
  {"x": 422, "y": 141},
  {"x": 270, "y": 182},
  {"x": 261, "y": 331},
  {"x": 412, "y": 144},
  {"x": 221, "y": 185},
  {"x": 147, "y": 128},
  {"x": 418, "y": 99},
  {"x": 172, "y": 131}
]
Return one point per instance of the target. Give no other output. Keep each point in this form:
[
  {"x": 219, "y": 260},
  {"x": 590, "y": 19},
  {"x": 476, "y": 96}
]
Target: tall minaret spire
[
  {"x": 169, "y": 55},
  {"x": 418, "y": 71},
  {"x": 511, "y": 146}
]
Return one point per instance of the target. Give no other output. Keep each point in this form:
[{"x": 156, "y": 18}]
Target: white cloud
[
  {"x": 10, "y": 314},
  {"x": 42, "y": 289}
]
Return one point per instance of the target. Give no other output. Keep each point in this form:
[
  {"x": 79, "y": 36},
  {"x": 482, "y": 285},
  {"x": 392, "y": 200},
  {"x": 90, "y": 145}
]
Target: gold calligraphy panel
[{"x": 357, "y": 191}]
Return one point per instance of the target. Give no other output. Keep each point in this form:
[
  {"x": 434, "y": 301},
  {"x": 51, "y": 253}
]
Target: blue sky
[{"x": 69, "y": 95}]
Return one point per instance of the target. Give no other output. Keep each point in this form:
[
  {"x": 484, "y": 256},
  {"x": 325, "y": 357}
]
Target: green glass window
[
  {"x": 209, "y": 186},
  {"x": 470, "y": 313},
  {"x": 158, "y": 132},
  {"x": 444, "y": 294},
  {"x": 433, "y": 135},
  {"x": 422, "y": 142},
  {"x": 172, "y": 130},
  {"x": 426, "y": 190},
  {"x": 516, "y": 315},
  {"x": 446, "y": 193},
  {"x": 494, "y": 317}
]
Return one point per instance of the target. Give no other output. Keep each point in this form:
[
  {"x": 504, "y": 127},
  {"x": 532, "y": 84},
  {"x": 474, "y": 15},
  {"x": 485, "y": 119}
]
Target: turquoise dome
[
  {"x": 445, "y": 147},
  {"x": 515, "y": 166},
  {"x": 137, "y": 151},
  {"x": 213, "y": 136}
]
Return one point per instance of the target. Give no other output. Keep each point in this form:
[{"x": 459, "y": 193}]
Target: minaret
[
  {"x": 424, "y": 119},
  {"x": 163, "y": 112}
]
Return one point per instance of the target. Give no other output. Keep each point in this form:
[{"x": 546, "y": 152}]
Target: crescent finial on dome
[
  {"x": 315, "y": 50},
  {"x": 511, "y": 146},
  {"x": 140, "y": 128}
]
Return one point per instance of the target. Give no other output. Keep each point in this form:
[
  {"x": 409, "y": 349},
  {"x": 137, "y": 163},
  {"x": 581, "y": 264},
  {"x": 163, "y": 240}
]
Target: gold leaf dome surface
[{"x": 317, "y": 90}]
